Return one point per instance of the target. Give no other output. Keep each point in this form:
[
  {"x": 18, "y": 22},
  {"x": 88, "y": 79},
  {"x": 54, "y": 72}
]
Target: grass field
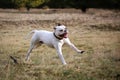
[{"x": 97, "y": 32}]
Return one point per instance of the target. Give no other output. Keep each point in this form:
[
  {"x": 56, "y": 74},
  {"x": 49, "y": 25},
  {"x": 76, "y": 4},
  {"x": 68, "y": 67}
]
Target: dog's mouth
[{"x": 63, "y": 35}]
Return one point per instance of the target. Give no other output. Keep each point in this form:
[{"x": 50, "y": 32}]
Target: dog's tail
[{"x": 28, "y": 36}]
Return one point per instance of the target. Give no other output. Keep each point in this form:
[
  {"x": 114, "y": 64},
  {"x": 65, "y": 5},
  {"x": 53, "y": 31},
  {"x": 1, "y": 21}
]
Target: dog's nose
[{"x": 65, "y": 31}]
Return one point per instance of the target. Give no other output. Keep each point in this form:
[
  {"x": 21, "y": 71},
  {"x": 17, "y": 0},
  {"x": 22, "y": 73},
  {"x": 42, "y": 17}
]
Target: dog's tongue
[{"x": 65, "y": 35}]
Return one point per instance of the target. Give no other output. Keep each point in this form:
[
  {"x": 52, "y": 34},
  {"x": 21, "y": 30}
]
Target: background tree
[
  {"x": 6, "y": 4},
  {"x": 60, "y": 3},
  {"x": 20, "y": 3},
  {"x": 34, "y": 3},
  {"x": 27, "y": 3}
]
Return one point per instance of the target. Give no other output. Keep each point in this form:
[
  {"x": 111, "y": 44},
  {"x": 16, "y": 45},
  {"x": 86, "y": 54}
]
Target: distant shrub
[
  {"x": 28, "y": 3},
  {"x": 61, "y": 3},
  {"x": 20, "y": 3}
]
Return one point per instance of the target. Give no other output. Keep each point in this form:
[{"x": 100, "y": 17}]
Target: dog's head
[{"x": 60, "y": 31}]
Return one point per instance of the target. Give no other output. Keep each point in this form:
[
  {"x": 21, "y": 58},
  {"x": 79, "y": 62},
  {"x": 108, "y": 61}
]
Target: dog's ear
[
  {"x": 54, "y": 28},
  {"x": 58, "y": 24}
]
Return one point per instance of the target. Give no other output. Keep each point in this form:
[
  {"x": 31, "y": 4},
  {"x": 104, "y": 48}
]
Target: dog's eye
[{"x": 61, "y": 30}]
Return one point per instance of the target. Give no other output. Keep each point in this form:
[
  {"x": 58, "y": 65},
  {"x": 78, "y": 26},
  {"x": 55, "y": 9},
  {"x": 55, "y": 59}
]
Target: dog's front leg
[
  {"x": 67, "y": 41},
  {"x": 75, "y": 48},
  {"x": 59, "y": 51}
]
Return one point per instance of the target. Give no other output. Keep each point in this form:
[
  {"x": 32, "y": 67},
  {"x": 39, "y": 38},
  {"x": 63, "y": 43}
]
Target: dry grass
[{"x": 102, "y": 45}]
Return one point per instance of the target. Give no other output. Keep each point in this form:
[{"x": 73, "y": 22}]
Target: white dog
[{"x": 53, "y": 39}]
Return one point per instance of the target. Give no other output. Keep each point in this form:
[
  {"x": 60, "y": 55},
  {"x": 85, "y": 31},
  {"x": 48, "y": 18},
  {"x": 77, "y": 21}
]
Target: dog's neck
[{"x": 60, "y": 38}]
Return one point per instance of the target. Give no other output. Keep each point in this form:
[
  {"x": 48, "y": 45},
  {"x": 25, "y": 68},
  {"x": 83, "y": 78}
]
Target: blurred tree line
[{"x": 60, "y": 3}]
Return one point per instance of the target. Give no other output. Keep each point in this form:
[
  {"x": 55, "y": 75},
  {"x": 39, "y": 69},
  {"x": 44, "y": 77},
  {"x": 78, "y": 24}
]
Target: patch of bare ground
[{"x": 99, "y": 19}]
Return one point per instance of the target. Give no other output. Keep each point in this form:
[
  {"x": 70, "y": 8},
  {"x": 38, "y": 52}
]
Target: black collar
[{"x": 57, "y": 36}]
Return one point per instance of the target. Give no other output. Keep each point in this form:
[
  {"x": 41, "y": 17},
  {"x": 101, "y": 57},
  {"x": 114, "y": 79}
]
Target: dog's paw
[
  {"x": 65, "y": 63},
  {"x": 81, "y": 51}
]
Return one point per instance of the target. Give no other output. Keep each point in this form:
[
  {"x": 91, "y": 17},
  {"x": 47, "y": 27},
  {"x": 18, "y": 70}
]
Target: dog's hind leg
[
  {"x": 38, "y": 44},
  {"x": 29, "y": 51}
]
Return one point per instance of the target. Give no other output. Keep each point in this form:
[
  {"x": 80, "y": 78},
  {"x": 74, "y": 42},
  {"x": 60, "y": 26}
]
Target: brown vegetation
[{"x": 97, "y": 32}]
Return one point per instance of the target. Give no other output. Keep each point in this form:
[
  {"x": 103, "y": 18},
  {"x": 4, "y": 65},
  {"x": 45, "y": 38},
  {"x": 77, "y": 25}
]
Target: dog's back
[{"x": 28, "y": 36}]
